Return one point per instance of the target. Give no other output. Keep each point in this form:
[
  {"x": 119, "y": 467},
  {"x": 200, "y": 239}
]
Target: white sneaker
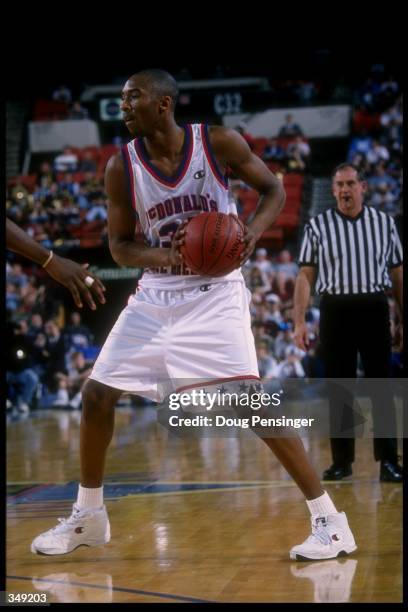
[
  {"x": 331, "y": 537},
  {"x": 23, "y": 407},
  {"x": 82, "y": 528}
]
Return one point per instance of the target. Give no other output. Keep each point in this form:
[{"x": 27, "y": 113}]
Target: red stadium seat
[
  {"x": 49, "y": 110},
  {"x": 28, "y": 180}
]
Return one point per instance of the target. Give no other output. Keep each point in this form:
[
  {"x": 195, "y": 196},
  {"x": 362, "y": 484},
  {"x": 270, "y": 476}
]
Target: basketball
[{"x": 212, "y": 245}]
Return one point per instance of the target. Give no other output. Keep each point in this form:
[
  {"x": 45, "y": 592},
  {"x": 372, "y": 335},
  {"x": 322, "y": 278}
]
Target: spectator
[
  {"x": 266, "y": 363},
  {"x": 56, "y": 349},
  {"x": 298, "y": 153},
  {"x": 286, "y": 272},
  {"x": 16, "y": 276},
  {"x": 377, "y": 153},
  {"x": 13, "y": 297},
  {"x": 284, "y": 341},
  {"x": 360, "y": 144},
  {"x": 36, "y": 325},
  {"x": 306, "y": 91},
  {"x": 261, "y": 334},
  {"x": 67, "y": 161},
  {"x": 22, "y": 380},
  {"x": 257, "y": 280},
  {"x": 98, "y": 210},
  {"x": 290, "y": 128},
  {"x": 274, "y": 151},
  {"x": 291, "y": 366},
  {"x": 78, "y": 372},
  {"x": 381, "y": 178},
  {"x": 62, "y": 94},
  {"x": 262, "y": 262},
  {"x": 87, "y": 163},
  {"x": 77, "y": 111},
  {"x": 274, "y": 308},
  {"x": 46, "y": 173},
  {"x": 76, "y": 335}
]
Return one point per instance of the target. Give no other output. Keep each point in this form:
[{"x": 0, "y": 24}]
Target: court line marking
[{"x": 119, "y": 589}]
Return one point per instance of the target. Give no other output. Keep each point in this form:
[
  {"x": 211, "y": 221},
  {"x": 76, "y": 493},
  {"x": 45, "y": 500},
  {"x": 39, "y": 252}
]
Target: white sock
[
  {"x": 89, "y": 498},
  {"x": 321, "y": 506}
]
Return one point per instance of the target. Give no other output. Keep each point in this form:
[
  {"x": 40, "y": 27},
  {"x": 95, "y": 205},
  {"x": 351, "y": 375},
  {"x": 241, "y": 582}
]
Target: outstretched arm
[{"x": 63, "y": 270}]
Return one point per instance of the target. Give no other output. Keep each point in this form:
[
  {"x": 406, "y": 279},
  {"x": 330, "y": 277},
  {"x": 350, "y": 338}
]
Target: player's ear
[{"x": 165, "y": 104}]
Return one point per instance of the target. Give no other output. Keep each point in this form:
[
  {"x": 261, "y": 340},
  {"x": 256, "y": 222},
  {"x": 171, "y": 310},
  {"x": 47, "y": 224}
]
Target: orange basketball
[{"x": 212, "y": 245}]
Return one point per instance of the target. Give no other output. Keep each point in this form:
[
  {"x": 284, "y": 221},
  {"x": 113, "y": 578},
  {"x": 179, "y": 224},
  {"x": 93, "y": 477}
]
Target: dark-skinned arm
[
  {"x": 232, "y": 151},
  {"x": 125, "y": 249},
  {"x": 63, "y": 270}
]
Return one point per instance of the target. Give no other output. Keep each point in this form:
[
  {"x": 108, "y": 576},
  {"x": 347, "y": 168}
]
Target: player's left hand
[{"x": 249, "y": 239}]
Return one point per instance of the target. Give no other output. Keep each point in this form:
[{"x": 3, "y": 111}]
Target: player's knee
[{"x": 96, "y": 399}]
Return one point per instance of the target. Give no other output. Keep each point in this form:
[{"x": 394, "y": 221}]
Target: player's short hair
[
  {"x": 162, "y": 83},
  {"x": 344, "y": 166}
]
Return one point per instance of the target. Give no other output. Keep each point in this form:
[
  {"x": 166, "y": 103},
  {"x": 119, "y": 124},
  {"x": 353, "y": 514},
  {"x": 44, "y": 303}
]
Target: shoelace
[
  {"x": 65, "y": 523},
  {"x": 319, "y": 533}
]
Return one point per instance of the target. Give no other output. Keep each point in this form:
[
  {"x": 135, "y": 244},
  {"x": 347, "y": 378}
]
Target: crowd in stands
[
  {"x": 48, "y": 362},
  {"x": 65, "y": 200},
  {"x": 376, "y": 147},
  {"x": 287, "y": 151}
]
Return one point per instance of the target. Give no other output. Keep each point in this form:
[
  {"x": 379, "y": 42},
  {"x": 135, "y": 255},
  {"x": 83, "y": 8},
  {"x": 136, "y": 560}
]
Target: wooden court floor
[{"x": 192, "y": 520}]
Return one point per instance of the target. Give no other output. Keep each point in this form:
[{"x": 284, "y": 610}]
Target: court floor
[{"x": 192, "y": 520}]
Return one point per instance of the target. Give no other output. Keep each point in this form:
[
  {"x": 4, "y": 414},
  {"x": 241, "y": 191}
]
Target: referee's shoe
[{"x": 390, "y": 471}]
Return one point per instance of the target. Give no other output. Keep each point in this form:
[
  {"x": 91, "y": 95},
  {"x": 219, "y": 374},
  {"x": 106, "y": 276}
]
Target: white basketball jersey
[{"x": 162, "y": 202}]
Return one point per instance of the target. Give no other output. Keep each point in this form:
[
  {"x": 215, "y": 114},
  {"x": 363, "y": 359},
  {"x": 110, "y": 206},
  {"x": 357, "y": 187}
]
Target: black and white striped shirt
[{"x": 352, "y": 255}]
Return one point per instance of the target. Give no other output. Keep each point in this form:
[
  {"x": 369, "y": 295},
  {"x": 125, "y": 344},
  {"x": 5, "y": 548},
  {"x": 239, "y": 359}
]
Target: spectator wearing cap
[{"x": 274, "y": 308}]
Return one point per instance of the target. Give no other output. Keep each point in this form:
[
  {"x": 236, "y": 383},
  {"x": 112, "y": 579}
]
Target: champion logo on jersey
[
  {"x": 79, "y": 530},
  {"x": 199, "y": 174}
]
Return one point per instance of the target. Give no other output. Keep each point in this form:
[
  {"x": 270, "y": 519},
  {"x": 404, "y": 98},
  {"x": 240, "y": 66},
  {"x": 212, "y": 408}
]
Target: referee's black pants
[{"x": 352, "y": 324}]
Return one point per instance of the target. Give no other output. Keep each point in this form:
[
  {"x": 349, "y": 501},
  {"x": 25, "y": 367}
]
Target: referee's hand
[{"x": 301, "y": 336}]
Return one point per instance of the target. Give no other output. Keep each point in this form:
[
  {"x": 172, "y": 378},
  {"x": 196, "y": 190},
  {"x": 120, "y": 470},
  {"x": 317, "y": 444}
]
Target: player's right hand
[
  {"x": 301, "y": 336},
  {"x": 72, "y": 276}
]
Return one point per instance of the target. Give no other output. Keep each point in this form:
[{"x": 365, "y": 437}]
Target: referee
[{"x": 353, "y": 254}]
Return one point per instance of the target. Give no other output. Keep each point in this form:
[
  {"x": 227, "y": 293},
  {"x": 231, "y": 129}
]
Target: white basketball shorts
[{"x": 167, "y": 341}]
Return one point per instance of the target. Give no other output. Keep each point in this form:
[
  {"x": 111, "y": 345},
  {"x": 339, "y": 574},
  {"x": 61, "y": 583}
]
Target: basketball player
[
  {"x": 178, "y": 325},
  {"x": 74, "y": 277}
]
